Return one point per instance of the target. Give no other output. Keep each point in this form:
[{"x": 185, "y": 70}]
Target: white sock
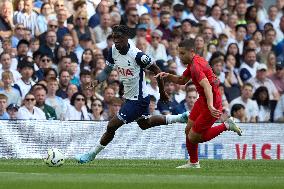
[
  {"x": 97, "y": 150},
  {"x": 173, "y": 118}
]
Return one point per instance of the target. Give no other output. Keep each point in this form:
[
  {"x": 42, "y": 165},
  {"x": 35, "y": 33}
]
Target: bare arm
[
  {"x": 209, "y": 97},
  {"x": 181, "y": 80},
  {"x": 156, "y": 70}
]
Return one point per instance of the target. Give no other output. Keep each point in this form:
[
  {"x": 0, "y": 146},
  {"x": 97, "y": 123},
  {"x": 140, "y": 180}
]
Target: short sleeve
[
  {"x": 110, "y": 61},
  {"x": 197, "y": 73},
  {"x": 245, "y": 74},
  {"x": 143, "y": 60}
]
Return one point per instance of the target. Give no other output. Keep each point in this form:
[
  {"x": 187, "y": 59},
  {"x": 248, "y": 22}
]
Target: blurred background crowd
[{"x": 51, "y": 50}]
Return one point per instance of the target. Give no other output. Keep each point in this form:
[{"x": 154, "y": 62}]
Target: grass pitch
[{"x": 142, "y": 174}]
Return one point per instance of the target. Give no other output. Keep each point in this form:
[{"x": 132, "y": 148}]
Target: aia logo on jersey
[{"x": 125, "y": 72}]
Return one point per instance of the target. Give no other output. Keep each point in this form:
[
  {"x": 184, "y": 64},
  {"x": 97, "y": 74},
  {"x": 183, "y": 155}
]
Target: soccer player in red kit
[{"x": 208, "y": 107}]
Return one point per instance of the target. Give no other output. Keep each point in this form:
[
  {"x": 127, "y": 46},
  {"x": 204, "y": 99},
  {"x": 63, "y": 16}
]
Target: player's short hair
[
  {"x": 121, "y": 30},
  {"x": 188, "y": 44},
  {"x": 2, "y": 96}
]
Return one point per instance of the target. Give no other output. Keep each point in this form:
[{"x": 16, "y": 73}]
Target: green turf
[{"x": 142, "y": 174}]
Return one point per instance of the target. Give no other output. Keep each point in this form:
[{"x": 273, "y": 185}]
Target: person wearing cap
[
  {"x": 278, "y": 77},
  {"x": 261, "y": 79},
  {"x": 12, "y": 110},
  {"x": 130, "y": 63},
  {"x": 26, "y": 67},
  {"x": 3, "y": 106}
]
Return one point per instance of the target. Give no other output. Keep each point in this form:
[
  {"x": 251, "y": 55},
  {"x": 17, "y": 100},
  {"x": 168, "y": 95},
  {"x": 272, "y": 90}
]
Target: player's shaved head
[{"x": 188, "y": 44}]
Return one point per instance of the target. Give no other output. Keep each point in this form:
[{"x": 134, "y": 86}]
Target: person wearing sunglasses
[
  {"x": 29, "y": 110},
  {"x": 77, "y": 110}
]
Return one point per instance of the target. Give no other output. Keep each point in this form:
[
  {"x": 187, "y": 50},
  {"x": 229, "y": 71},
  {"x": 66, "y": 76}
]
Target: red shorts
[{"x": 201, "y": 115}]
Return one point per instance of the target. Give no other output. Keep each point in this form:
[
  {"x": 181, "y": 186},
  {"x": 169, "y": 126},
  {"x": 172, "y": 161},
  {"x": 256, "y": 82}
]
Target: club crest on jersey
[
  {"x": 145, "y": 59},
  {"x": 125, "y": 72}
]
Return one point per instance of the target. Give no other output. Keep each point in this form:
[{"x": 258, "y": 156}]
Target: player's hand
[
  {"x": 164, "y": 97},
  {"x": 161, "y": 75},
  {"x": 214, "y": 112}
]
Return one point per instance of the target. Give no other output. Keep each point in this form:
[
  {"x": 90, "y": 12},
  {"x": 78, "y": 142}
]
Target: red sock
[
  {"x": 192, "y": 150},
  {"x": 213, "y": 132}
]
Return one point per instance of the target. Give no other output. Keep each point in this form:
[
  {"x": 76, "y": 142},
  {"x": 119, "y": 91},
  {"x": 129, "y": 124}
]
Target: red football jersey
[{"x": 199, "y": 70}]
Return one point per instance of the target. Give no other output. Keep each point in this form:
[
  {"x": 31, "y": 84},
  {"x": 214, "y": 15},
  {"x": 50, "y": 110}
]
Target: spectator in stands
[
  {"x": 54, "y": 101},
  {"x": 233, "y": 82},
  {"x": 6, "y": 22},
  {"x": 214, "y": 19},
  {"x": 3, "y": 106},
  {"x": 278, "y": 77},
  {"x": 187, "y": 103},
  {"x": 40, "y": 96},
  {"x": 104, "y": 29},
  {"x": 114, "y": 107},
  {"x": 17, "y": 35},
  {"x": 152, "y": 87},
  {"x": 48, "y": 73},
  {"x": 249, "y": 66},
  {"x": 279, "y": 110},
  {"x": 271, "y": 63},
  {"x": 88, "y": 60},
  {"x": 64, "y": 81},
  {"x": 85, "y": 42},
  {"x": 44, "y": 16},
  {"x": 261, "y": 80},
  {"x": 61, "y": 19},
  {"x": 52, "y": 25},
  {"x": 6, "y": 61},
  {"x": 261, "y": 96},
  {"x": 97, "y": 110},
  {"x": 81, "y": 28},
  {"x": 272, "y": 17},
  {"x": 238, "y": 112},
  {"x": 201, "y": 48},
  {"x": 77, "y": 110},
  {"x": 29, "y": 111},
  {"x": 22, "y": 50},
  {"x": 168, "y": 107},
  {"x": 28, "y": 17},
  {"x": 24, "y": 84},
  {"x": 156, "y": 49},
  {"x": 68, "y": 45},
  {"x": 85, "y": 79},
  {"x": 152, "y": 106},
  {"x": 155, "y": 12},
  {"x": 250, "y": 105},
  {"x": 265, "y": 48},
  {"x": 234, "y": 50},
  {"x": 71, "y": 89},
  {"x": 241, "y": 32},
  {"x": 199, "y": 12},
  {"x": 164, "y": 25},
  {"x": 12, "y": 94},
  {"x": 50, "y": 47},
  {"x": 103, "y": 7},
  {"x": 12, "y": 110},
  {"x": 176, "y": 15},
  {"x": 280, "y": 30},
  {"x": 45, "y": 63}
]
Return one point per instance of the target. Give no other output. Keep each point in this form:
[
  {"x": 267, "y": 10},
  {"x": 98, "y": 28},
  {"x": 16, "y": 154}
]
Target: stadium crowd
[{"x": 52, "y": 49}]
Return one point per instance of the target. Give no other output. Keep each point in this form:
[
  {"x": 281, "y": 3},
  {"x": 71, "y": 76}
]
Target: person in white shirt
[
  {"x": 279, "y": 110},
  {"x": 5, "y": 60},
  {"x": 77, "y": 110},
  {"x": 29, "y": 110},
  {"x": 24, "y": 84},
  {"x": 250, "y": 105},
  {"x": 157, "y": 51},
  {"x": 249, "y": 66},
  {"x": 272, "y": 17},
  {"x": 198, "y": 13},
  {"x": 214, "y": 20}
]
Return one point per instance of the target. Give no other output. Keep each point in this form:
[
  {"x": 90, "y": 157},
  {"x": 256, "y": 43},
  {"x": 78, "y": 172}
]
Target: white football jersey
[{"x": 131, "y": 70}]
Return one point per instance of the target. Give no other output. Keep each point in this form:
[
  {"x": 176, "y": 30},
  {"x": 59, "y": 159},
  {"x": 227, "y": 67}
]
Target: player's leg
[
  {"x": 106, "y": 138},
  {"x": 156, "y": 120}
]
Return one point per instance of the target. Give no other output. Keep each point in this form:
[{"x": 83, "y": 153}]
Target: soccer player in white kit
[{"x": 130, "y": 63}]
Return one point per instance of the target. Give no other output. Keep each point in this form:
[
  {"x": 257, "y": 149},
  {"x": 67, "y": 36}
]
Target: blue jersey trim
[{"x": 140, "y": 96}]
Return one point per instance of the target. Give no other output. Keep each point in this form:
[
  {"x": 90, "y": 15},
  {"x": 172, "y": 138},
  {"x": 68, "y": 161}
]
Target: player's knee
[{"x": 194, "y": 137}]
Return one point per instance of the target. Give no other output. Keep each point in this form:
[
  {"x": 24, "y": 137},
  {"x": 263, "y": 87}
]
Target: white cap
[{"x": 261, "y": 67}]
